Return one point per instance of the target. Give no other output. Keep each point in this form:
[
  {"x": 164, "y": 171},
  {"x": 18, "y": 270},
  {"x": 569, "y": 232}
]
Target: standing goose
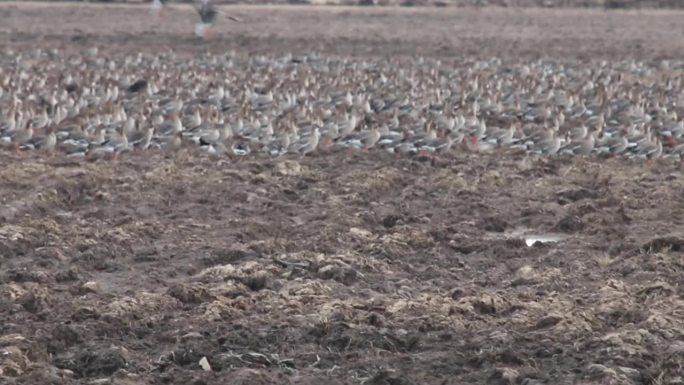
[
  {"x": 649, "y": 149},
  {"x": 389, "y": 139},
  {"x": 116, "y": 144},
  {"x": 547, "y": 144},
  {"x": 583, "y": 146},
  {"x": 21, "y": 136},
  {"x": 438, "y": 145},
  {"x": 10, "y": 123},
  {"x": 192, "y": 122},
  {"x": 310, "y": 145},
  {"x": 171, "y": 127},
  {"x": 612, "y": 146},
  {"x": 142, "y": 139},
  {"x": 40, "y": 120},
  {"x": 278, "y": 146},
  {"x": 500, "y": 136},
  {"x": 158, "y": 8},
  {"x": 48, "y": 142},
  {"x": 361, "y": 140},
  {"x": 173, "y": 142},
  {"x": 207, "y": 137}
]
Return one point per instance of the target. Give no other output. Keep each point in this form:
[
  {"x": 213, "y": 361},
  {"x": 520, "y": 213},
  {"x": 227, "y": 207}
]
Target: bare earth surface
[
  {"x": 338, "y": 268},
  {"x": 443, "y": 32}
]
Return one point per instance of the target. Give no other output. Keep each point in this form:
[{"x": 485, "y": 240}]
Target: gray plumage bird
[
  {"x": 208, "y": 13},
  {"x": 159, "y": 8}
]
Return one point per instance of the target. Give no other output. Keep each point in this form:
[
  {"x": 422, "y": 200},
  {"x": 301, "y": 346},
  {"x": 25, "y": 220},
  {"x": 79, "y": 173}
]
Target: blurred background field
[{"x": 607, "y": 4}]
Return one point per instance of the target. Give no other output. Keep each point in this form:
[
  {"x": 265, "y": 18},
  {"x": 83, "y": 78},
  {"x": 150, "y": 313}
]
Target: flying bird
[{"x": 208, "y": 13}]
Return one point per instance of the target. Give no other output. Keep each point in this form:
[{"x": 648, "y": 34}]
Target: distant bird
[
  {"x": 159, "y": 7},
  {"x": 208, "y": 13}
]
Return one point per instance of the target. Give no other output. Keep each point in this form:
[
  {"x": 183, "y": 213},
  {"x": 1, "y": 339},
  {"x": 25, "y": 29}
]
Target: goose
[
  {"x": 141, "y": 140},
  {"x": 172, "y": 127},
  {"x": 49, "y": 141},
  {"x": 158, "y": 8},
  {"x": 437, "y": 145},
  {"x": 363, "y": 140},
  {"x": 549, "y": 144},
  {"x": 192, "y": 122},
  {"x": 612, "y": 146},
  {"x": 311, "y": 144},
  {"x": 207, "y": 137},
  {"x": 20, "y": 136},
  {"x": 10, "y": 123},
  {"x": 116, "y": 144},
  {"x": 649, "y": 150},
  {"x": 278, "y": 146},
  {"x": 583, "y": 146},
  {"x": 173, "y": 142},
  {"x": 208, "y": 13}
]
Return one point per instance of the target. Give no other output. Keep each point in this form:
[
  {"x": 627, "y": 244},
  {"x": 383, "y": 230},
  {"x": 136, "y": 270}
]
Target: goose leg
[{"x": 209, "y": 34}]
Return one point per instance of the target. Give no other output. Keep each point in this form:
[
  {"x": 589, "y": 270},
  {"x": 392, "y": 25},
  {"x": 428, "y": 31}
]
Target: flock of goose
[{"x": 92, "y": 105}]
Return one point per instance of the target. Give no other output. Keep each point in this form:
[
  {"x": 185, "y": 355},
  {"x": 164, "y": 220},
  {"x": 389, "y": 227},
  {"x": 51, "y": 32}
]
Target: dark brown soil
[{"x": 338, "y": 268}]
